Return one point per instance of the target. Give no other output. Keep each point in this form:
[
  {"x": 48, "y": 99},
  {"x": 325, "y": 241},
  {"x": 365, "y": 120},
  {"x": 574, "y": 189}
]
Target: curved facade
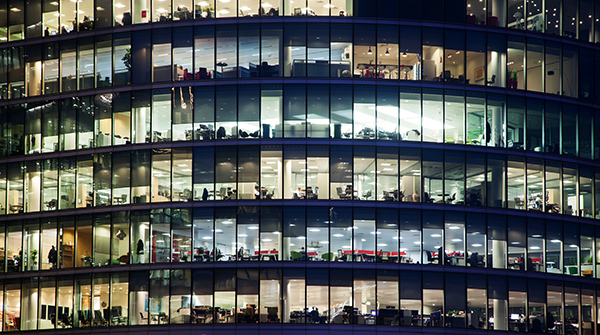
[{"x": 316, "y": 167}]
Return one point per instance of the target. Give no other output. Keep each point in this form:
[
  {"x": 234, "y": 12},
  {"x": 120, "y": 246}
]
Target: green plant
[
  {"x": 514, "y": 76},
  {"x": 127, "y": 59},
  {"x": 590, "y": 260},
  {"x": 34, "y": 253}
]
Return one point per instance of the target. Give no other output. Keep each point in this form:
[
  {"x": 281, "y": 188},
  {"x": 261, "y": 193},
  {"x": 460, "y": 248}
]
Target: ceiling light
[
  {"x": 387, "y": 51},
  {"x": 369, "y": 52},
  {"x": 404, "y": 55}
]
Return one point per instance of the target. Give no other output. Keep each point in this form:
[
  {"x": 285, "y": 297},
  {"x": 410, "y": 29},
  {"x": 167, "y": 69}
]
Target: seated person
[
  {"x": 300, "y": 193},
  {"x": 256, "y": 192}
]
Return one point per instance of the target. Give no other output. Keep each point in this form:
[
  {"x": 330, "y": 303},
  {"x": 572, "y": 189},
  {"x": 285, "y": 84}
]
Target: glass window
[
  {"x": 515, "y": 60},
  {"x": 454, "y": 174},
  {"x": 364, "y": 173},
  {"x": 364, "y": 232},
  {"x": 225, "y": 174},
  {"x": 66, "y": 243},
  {"x": 554, "y": 246},
  {"x": 270, "y": 234},
  {"x": 535, "y": 56},
  {"x": 476, "y": 302},
  {"x": 433, "y": 299},
  {"x": 586, "y": 174},
  {"x": 34, "y": 71},
  {"x": 554, "y": 312},
  {"x": 140, "y": 237},
  {"x": 68, "y": 66},
  {"x": 119, "y": 310},
  {"x": 294, "y": 233},
  {"x": 410, "y": 238},
  {"x": 140, "y": 176},
  {"x": 271, "y": 101},
  {"x": 47, "y": 318},
  {"x": 454, "y": 117},
  {"x": 341, "y": 111},
  {"x": 365, "y": 59},
  {"x": 181, "y": 285},
  {"x": 553, "y": 201},
  {"x": 570, "y": 197},
  {"x": 51, "y": 57},
  {"x": 317, "y": 113},
  {"x": 433, "y": 239},
  {"x": 50, "y": 185},
  {"x": 340, "y": 169},
  {"x": 181, "y": 230},
  {"x": 570, "y": 57},
  {"x": 454, "y": 56},
  {"x": 204, "y": 174},
  {"x": 248, "y": 174},
  {"x": 141, "y": 11},
  {"x": 271, "y": 172},
  {"x": 410, "y": 298},
  {"x": 341, "y": 234},
  {"x": 102, "y": 237},
  {"x": 162, "y": 11},
  {"x": 497, "y": 303},
  {"x": 516, "y": 243},
  {"x": 248, "y": 111},
  {"x": 432, "y": 55},
  {"x": 585, "y": 128},
  {"x": 226, "y": 37},
  {"x": 138, "y": 298},
  {"x": 50, "y": 17},
  {"x": 161, "y": 175},
  {"x": 340, "y": 51},
  {"x": 454, "y": 237},
  {"x": 387, "y": 176},
  {"x": 204, "y": 51},
  {"x": 552, "y": 68},
  {"x": 433, "y": 109},
  {"x": 516, "y": 182},
  {"x": 101, "y": 291},
  {"x": 536, "y": 295},
  {"x": 122, "y": 13},
  {"x": 203, "y": 234},
  {"x": 85, "y": 64},
  {"x": 48, "y": 255},
  {"x": 202, "y": 295},
  {"x": 102, "y": 182},
  {"x": 85, "y": 122},
  {"x": 496, "y": 60},
  {"x": 294, "y": 111},
  {"x": 183, "y": 10},
  {"x": 30, "y": 255},
  {"x": 121, "y": 48},
  {"x": 476, "y": 55},
  {"x": 497, "y": 240},
  {"x": 83, "y": 242},
  {"x": 15, "y": 201},
  {"x": 535, "y": 242},
  {"x": 120, "y": 238},
  {"x": 121, "y": 178},
  {"x": 158, "y": 296},
  {"x": 433, "y": 174},
  {"x": 295, "y": 171},
  {"x": 387, "y": 237},
  {"x": 248, "y": 46},
  {"x": 317, "y": 172},
  {"x": 224, "y": 297},
  {"x": 104, "y": 60},
  {"x": 204, "y": 113},
  {"x": 517, "y": 304},
  {"x": 535, "y": 112},
  {"x": 515, "y": 126},
  {"x": 476, "y": 233},
  {"x": 226, "y": 107}
]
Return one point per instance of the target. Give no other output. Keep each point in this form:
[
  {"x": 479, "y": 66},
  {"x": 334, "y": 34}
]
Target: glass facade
[
  {"x": 215, "y": 51},
  {"x": 362, "y": 166}
]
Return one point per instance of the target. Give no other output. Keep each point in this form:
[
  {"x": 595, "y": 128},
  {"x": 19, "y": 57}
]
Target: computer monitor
[
  {"x": 373, "y": 312},
  {"x": 514, "y": 316}
]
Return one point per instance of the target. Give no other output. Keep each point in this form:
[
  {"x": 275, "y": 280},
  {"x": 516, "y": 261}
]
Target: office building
[{"x": 300, "y": 167}]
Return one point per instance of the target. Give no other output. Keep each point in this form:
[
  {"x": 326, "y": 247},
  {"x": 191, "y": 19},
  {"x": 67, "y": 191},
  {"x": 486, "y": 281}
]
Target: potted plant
[
  {"x": 127, "y": 62},
  {"x": 515, "y": 79},
  {"x": 508, "y": 78}
]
